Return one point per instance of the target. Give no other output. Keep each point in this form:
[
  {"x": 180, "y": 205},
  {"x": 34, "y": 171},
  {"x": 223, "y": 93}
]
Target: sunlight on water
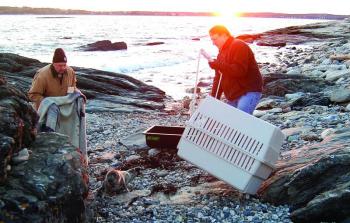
[{"x": 170, "y": 66}]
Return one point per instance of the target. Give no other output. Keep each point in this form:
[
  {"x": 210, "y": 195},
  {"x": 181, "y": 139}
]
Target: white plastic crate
[{"x": 232, "y": 145}]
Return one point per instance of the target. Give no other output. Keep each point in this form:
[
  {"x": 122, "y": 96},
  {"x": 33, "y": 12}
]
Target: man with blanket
[{"x": 60, "y": 105}]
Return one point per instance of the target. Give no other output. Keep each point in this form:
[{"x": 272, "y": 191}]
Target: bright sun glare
[{"x": 227, "y": 11}]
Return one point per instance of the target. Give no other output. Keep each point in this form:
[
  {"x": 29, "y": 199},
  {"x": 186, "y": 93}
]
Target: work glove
[{"x": 215, "y": 65}]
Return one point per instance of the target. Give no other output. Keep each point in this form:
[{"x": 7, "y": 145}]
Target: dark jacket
[{"x": 240, "y": 71}]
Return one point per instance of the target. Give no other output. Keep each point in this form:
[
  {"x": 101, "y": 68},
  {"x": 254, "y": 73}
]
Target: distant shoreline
[{"x": 6, "y": 10}]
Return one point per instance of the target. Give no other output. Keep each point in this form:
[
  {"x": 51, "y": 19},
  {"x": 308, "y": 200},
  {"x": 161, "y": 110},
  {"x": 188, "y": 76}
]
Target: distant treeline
[
  {"x": 5, "y": 10},
  {"x": 293, "y": 16}
]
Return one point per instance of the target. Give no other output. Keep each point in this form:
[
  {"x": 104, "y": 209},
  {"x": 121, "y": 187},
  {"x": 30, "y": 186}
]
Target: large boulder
[
  {"x": 17, "y": 125},
  {"x": 313, "y": 180},
  {"x": 281, "y": 84},
  {"x": 49, "y": 187}
]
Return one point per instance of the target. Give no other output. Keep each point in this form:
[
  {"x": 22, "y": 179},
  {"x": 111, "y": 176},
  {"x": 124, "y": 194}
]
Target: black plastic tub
[{"x": 163, "y": 136}]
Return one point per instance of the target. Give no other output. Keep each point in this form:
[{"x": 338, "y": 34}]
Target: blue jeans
[
  {"x": 246, "y": 102},
  {"x": 52, "y": 117}
]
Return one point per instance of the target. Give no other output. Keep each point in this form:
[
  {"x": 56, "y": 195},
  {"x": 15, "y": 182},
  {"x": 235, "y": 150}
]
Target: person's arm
[
  {"x": 36, "y": 92},
  {"x": 238, "y": 62}
]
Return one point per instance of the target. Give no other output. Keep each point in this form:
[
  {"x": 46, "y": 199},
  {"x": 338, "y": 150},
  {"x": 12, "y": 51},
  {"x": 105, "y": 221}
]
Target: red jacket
[{"x": 240, "y": 71}]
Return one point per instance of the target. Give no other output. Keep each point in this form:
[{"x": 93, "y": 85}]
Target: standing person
[
  {"x": 52, "y": 80},
  {"x": 237, "y": 71},
  {"x": 60, "y": 105}
]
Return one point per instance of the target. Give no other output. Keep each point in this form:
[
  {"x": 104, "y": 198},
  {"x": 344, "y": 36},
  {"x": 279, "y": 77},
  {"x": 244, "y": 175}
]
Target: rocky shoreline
[{"x": 307, "y": 95}]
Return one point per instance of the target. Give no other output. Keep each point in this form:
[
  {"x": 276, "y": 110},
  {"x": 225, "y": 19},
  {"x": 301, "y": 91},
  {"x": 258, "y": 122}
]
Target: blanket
[{"x": 71, "y": 119}]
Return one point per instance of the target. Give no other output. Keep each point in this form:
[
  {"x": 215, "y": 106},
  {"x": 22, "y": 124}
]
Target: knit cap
[{"x": 59, "y": 56}]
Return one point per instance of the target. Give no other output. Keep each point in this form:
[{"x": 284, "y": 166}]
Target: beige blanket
[{"x": 71, "y": 118}]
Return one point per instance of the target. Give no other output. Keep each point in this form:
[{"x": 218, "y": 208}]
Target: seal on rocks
[{"x": 115, "y": 182}]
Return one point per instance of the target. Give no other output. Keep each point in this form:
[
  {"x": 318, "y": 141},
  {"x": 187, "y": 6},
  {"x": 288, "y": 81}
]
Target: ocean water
[{"x": 171, "y": 66}]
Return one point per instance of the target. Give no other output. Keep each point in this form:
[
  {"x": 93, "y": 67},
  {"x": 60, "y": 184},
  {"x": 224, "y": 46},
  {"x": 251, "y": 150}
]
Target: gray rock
[
  {"x": 294, "y": 71},
  {"x": 340, "y": 95},
  {"x": 336, "y": 74},
  {"x": 21, "y": 156},
  {"x": 133, "y": 157},
  {"x": 294, "y": 96},
  {"x": 279, "y": 85},
  {"x": 348, "y": 107},
  {"x": 317, "y": 73},
  {"x": 266, "y": 103},
  {"x": 17, "y": 124},
  {"x": 153, "y": 152},
  {"x": 310, "y": 99},
  {"x": 49, "y": 187},
  {"x": 314, "y": 180}
]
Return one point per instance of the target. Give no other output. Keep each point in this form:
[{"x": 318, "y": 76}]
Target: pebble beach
[{"x": 206, "y": 200}]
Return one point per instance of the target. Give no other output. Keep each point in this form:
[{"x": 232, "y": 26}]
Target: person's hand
[
  {"x": 214, "y": 65},
  {"x": 206, "y": 55}
]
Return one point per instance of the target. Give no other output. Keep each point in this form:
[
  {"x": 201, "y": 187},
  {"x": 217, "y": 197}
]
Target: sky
[{"x": 221, "y": 6}]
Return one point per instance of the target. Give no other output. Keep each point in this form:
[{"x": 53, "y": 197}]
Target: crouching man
[{"x": 60, "y": 105}]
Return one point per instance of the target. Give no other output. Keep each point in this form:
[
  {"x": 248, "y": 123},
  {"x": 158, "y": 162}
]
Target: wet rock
[
  {"x": 311, "y": 99},
  {"x": 249, "y": 38},
  {"x": 266, "y": 103},
  {"x": 6, "y": 151},
  {"x": 313, "y": 180},
  {"x": 153, "y": 152},
  {"x": 294, "y": 96},
  {"x": 294, "y": 71},
  {"x": 105, "y": 45},
  {"x": 49, "y": 187},
  {"x": 309, "y": 32},
  {"x": 47, "y": 184},
  {"x": 21, "y": 156},
  {"x": 17, "y": 125},
  {"x": 273, "y": 43},
  {"x": 347, "y": 107},
  {"x": 340, "y": 95},
  {"x": 154, "y": 43},
  {"x": 279, "y": 84},
  {"x": 335, "y": 75}
]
